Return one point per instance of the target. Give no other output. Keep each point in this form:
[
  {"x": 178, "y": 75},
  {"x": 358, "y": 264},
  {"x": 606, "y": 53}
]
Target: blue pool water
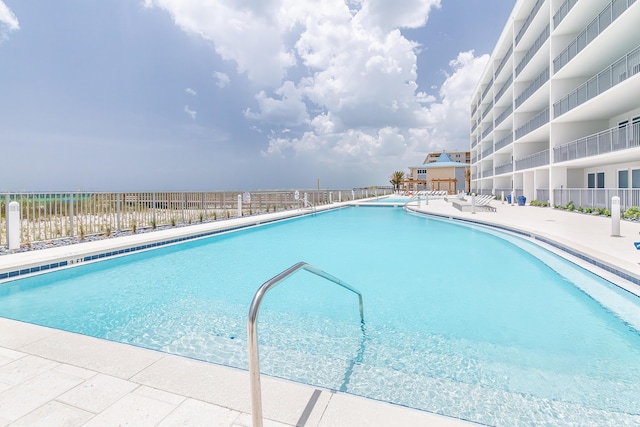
[{"x": 458, "y": 321}]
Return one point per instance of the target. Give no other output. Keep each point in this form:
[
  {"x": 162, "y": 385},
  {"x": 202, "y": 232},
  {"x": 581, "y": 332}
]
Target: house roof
[{"x": 444, "y": 161}]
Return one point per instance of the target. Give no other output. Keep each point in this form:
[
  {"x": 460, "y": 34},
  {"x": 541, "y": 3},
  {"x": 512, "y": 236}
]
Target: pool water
[{"x": 458, "y": 321}]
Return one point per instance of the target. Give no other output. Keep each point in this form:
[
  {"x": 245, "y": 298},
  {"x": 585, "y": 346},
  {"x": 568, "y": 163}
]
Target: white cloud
[
  {"x": 8, "y": 21},
  {"x": 289, "y": 109},
  {"x": 339, "y": 74},
  {"x": 190, "y": 112},
  {"x": 222, "y": 79},
  {"x": 191, "y": 91}
]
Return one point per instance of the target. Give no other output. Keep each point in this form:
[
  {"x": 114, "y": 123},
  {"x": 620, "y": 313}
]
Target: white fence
[{"x": 48, "y": 216}]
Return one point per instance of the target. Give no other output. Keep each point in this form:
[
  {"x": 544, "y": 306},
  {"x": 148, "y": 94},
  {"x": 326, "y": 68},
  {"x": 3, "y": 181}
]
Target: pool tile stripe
[
  {"x": 40, "y": 268},
  {"x": 564, "y": 248}
]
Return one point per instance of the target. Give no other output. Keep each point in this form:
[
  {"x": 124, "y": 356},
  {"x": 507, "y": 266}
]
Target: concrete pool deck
[{"x": 52, "y": 377}]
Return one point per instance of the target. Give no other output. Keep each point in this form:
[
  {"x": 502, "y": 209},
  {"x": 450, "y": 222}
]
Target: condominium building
[
  {"x": 462, "y": 156},
  {"x": 556, "y": 114}
]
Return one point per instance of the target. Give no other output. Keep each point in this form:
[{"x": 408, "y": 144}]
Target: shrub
[
  {"x": 570, "y": 206},
  {"x": 632, "y": 212}
]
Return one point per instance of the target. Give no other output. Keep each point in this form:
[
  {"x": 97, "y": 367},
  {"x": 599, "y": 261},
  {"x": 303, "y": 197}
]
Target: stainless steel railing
[{"x": 252, "y": 333}]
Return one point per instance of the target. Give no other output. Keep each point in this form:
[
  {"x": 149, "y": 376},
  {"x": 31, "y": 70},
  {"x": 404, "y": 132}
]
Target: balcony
[
  {"x": 563, "y": 11},
  {"x": 504, "y": 141},
  {"x": 614, "y": 139},
  {"x": 487, "y": 130},
  {"x": 529, "y": 20},
  {"x": 609, "y": 14},
  {"x": 504, "y": 87},
  {"x": 487, "y": 173},
  {"x": 617, "y": 72},
  {"x": 536, "y": 84},
  {"x": 542, "y": 38},
  {"x": 504, "y": 61},
  {"x": 486, "y": 89},
  {"x": 534, "y": 160},
  {"x": 506, "y": 168},
  {"x": 540, "y": 119},
  {"x": 486, "y": 152},
  {"x": 487, "y": 109},
  {"x": 504, "y": 115}
]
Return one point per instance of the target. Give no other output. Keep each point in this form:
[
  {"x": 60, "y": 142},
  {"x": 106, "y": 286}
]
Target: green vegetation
[
  {"x": 632, "y": 212},
  {"x": 538, "y": 203},
  {"x": 396, "y": 179}
]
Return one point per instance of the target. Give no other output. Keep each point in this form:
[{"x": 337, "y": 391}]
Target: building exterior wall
[
  {"x": 462, "y": 156},
  {"x": 559, "y": 100}
]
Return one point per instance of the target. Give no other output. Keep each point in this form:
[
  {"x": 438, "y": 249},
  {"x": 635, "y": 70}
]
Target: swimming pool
[{"x": 458, "y": 321}]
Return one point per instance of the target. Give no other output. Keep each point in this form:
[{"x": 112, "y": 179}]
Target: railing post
[
  {"x": 71, "y": 231},
  {"x": 118, "y": 211}
]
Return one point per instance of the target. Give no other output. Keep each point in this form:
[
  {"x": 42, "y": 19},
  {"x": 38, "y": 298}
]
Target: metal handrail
[{"x": 252, "y": 333}]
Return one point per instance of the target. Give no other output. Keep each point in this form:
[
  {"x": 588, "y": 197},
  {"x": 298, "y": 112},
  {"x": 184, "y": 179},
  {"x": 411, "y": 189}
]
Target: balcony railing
[
  {"x": 542, "y": 194},
  {"x": 540, "y": 119},
  {"x": 474, "y": 126},
  {"x": 487, "y": 130},
  {"x": 542, "y": 38},
  {"x": 506, "y": 168},
  {"x": 473, "y": 111},
  {"x": 614, "y": 139},
  {"x": 563, "y": 11},
  {"x": 487, "y": 173},
  {"x": 504, "y": 141},
  {"x": 504, "y": 61},
  {"x": 534, "y": 160},
  {"x": 474, "y": 176},
  {"x": 609, "y": 14},
  {"x": 504, "y": 87},
  {"x": 486, "y": 152},
  {"x": 536, "y": 84},
  {"x": 617, "y": 72},
  {"x": 529, "y": 20},
  {"x": 504, "y": 115},
  {"x": 487, "y": 109},
  {"x": 597, "y": 197},
  {"x": 474, "y": 159},
  {"x": 486, "y": 89}
]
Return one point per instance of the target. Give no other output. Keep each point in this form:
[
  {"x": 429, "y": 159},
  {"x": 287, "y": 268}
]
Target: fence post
[
  {"x": 71, "y": 231},
  {"x": 118, "y": 210},
  {"x": 6, "y": 213}
]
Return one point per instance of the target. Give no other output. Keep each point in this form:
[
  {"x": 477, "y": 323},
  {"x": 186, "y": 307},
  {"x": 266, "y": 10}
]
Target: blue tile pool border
[
  {"x": 111, "y": 253},
  {"x": 603, "y": 266}
]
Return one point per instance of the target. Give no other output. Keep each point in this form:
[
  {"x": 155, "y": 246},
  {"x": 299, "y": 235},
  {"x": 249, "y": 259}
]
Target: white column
[
  {"x": 239, "y": 205},
  {"x": 13, "y": 226},
  {"x": 615, "y": 216}
]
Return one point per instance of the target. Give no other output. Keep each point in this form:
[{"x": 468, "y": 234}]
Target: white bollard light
[
  {"x": 330, "y": 197},
  {"x": 13, "y": 226},
  {"x": 615, "y": 216},
  {"x": 473, "y": 203},
  {"x": 306, "y": 200},
  {"x": 339, "y": 196},
  {"x": 513, "y": 197},
  {"x": 503, "y": 197},
  {"x": 239, "y": 204}
]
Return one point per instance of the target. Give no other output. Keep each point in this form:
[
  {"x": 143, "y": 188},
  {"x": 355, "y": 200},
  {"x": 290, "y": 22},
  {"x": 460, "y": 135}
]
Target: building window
[
  {"x": 591, "y": 180},
  {"x": 623, "y": 179},
  {"x": 600, "y": 179},
  {"x": 635, "y": 178}
]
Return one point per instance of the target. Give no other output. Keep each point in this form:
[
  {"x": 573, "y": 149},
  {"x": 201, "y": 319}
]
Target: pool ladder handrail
[
  {"x": 252, "y": 333},
  {"x": 417, "y": 196}
]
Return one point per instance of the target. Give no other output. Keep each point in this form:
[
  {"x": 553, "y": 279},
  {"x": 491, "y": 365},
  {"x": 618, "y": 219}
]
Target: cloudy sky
[{"x": 234, "y": 94}]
